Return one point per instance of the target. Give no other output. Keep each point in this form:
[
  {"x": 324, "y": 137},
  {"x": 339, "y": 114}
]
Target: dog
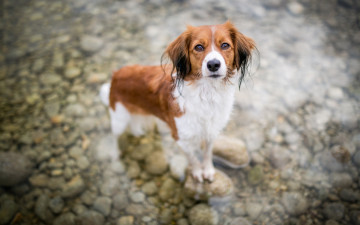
[{"x": 194, "y": 95}]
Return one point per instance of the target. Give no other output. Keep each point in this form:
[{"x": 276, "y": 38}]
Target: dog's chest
[{"x": 206, "y": 108}]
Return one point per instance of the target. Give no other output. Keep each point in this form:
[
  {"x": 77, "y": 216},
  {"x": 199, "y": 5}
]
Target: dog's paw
[
  {"x": 209, "y": 172},
  {"x": 197, "y": 174}
]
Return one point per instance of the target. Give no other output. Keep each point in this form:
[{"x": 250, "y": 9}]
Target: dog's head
[{"x": 210, "y": 52}]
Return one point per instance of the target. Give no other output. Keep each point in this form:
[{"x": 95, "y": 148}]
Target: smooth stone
[
  {"x": 88, "y": 197},
  {"x": 254, "y": 210},
  {"x": 133, "y": 170},
  {"x": 165, "y": 216},
  {"x": 349, "y": 195},
  {"x": 103, "y": 205},
  {"x": 125, "y": 220},
  {"x": 355, "y": 217},
  {"x": 107, "y": 149},
  {"x": 83, "y": 163},
  {"x": 8, "y": 209},
  {"x": 156, "y": 163},
  {"x": 72, "y": 72},
  {"x": 120, "y": 201},
  {"x": 97, "y": 78},
  {"x": 230, "y": 152},
  {"x": 14, "y": 168},
  {"x": 56, "y": 204},
  {"x": 74, "y": 110},
  {"x": 38, "y": 65},
  {"x": 167, "y": 189},
  {"x": 178, "y": 165},
  {"x": 74, "y": 187},
  {"x": 39, "y": 180},
  {"x": 329, "y": 162},
  {"x": 86, "y": 124},
  {"x": 279, "y": 157},
  {"x": 65, "y": 219},
  {"x": 91, "y": 43},
  {"x": 240, "y": 221},
  {"x": 202, "y": 214},
  {"x": 331, "y": 222},
  {"x": 294, "y": 203},
  {"x": 41, "y": 209},
  {"x": 137, "y": 197},
  {"x": 221, "y": 187},
  {"x": 149, "y": 188},
  {"x": 334, "y": 211},
  {"x": 295, "y": 8},
  {"x": 256, "y": 175},
  {"x": 135, "y": 209},
  {"x": 91, "y": 218},
  {"x": 356, "y": 159},
  {"x": 341, "y": 180}
]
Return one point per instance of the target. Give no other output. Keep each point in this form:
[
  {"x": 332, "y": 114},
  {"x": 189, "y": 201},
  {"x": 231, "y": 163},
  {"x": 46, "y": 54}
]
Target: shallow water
[{"x": 298, "y": 113}]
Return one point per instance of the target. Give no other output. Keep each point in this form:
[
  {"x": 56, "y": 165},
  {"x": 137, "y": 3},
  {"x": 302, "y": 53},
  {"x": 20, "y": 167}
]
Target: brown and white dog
[{"x": 194, "y": 96}]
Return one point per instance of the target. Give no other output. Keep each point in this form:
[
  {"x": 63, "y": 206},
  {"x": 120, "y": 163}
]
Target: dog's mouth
[{"x": 215, "y": 76}]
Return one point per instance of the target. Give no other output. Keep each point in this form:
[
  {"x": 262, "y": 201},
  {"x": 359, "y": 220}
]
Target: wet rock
[
  {"x": 79, "y": 209},
  {"x": 39, "y": 180},
  {"x": 50, "y": 79},
  {"x": 91, "y": 43},
  {"x": 254, "y": 210},
  {"x": 56, "y": 204},
  {"x": 149, "y": 188},
  {"x": 107, "y": 148},
  {"x": 41, "y": 209},
  {"x": 167, "y": 189},
  {"x": 221, "y": 187},
  {"x": 120, "y": 201},
  {"x": 230, "y": 152},
  {"x": 74, "y": 110},
  {"x": 137, "y": 197},
  {"x": 240, "y": 221},
  {"x": 117, "y": 167},
  {"x": 279, "y": 157},
  {"x": 165, "y": 216},
  {"x": 125, "y": 220},
  {"x": 74, "y": 187},
  {"x": 341, "y": 180},
  {"x": 83, "y": 163},
  {"x": 133, "y": 170},
  {"x": 14, "y": 168},
  {"x": 256, "y": 175},
  {"x": 178, "y": 165},
  {"x": 103, "y": 205},
  {"x": 329, "y": 162},
  {"x": 8, "y": 209},
  {"x": 355, "y": 217},
  {"x": 156, "y": 163},
  {"x": 72, "y": 72},
  {"x": 334, "y": 211},
  {"x": 142, "y": 150},
  {"x": 65, "y": 219},
  {"x": 91, "y": 218},
  {"x": 88, "y": 197},
  {"x": 349, "y": 195},
  {"x": 135, "y": 209},
  {"x": 294, "y": 203},
  {"x": 202, "y": 214}
]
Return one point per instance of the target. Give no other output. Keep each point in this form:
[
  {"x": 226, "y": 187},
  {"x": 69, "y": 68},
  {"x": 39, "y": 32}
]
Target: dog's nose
[{"x": 213, "y": 65}]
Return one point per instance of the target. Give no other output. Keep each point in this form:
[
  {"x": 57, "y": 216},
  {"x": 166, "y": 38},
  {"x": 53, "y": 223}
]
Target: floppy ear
[
  {"x": 178, "y": 52},
  {"x": 243, "y": 47}
]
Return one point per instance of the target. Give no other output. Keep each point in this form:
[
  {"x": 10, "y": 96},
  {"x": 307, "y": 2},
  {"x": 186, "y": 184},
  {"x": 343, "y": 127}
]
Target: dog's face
[{"x": 211, "y": 52}]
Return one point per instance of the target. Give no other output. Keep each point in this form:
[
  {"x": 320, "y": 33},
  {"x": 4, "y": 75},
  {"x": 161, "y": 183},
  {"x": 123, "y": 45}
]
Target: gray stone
[
  {"x": 295, "y": 8},
  {"x": 356, "y": 158},
  {"x": 8, "y": 209},
  {"x": 39, "y": 180},
  {"x": 165, "y": 216},
  {"x": 137, "y": 197},
  {"x": 167, "y": 189},
  {"x": 65, "y": 219},
  {"x": 329, "y": 162},
  {"x": 355, "y": 217},
  {"x": 334, "y": 211},
  {"x": 91, "y": 43},
  {"x": 294, "y": 203},
  {"x": 331, "y": 222},
  {"x": 120, "y": 201},
  {"x": 41, "y": 209},
  {"x": 240, "y": 221},
  {"x": 38, "y": 65},
  {"x": 156, "y": 163},
  {"x": 83, "y": 163},
  {"x": 72, "y": 72},
  {"x": 56, "y": 204},
  {"x": 14, "y": 168},
  {"x": 256, "y": 175},
  {"x": 52, "y": 108},
  {"x": 79, "y": 209},
  {"x": 117, "y": 167},
  {"x": 280, "y": 157},
  {"x": 87, "y": 124},
  {"x": 182, "y": 221},
  {"x": 107, "y": 149},
  {"x": 91, "y": 218},
  {"x": 125, "y": 220},
  {"x": 254, "y": 210},
  {"x": 109, "y": 186},
  {"x": 88, "y": 197},
  {"x": 50, "y": 78},
  {"x": 349, "y": 195},
  {"x": 202, "y": 214},
  {"x": 133, "y": 170},
  {"x": 135, "y": 209},
  {"x": 178, "y": 165},
  {"x": 149, "y": 188},
  {"x": 103, "y": 205},
  {"x": 74, "y": 187},
  {"x": 341, "y": 180},
  {"x": 75, "y": 109}
]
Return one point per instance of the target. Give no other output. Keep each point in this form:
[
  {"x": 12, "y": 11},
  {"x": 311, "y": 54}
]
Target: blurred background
[{"x": 298, "y": 114}]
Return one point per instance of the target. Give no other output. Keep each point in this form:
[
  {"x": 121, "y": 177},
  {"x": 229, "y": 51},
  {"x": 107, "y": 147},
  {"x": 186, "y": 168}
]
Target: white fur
[
  {"x": 210, "y": 56},
  {"x": 104, "y": 93}
]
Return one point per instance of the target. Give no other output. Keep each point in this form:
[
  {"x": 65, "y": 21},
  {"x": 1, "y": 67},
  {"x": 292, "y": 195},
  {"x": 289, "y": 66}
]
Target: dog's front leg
[
  {"x": 189, "y": 147},
  {"x": 208, "y": 166}
]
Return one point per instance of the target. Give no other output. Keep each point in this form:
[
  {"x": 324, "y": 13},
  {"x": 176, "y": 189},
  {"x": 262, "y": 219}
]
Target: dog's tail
[{"x": 104, "y": 93}]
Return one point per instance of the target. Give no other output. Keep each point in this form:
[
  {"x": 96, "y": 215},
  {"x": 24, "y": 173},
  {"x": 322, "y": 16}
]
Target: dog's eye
[
  {"x": 199, "y": 48},
  {"x": 225, "y": 46}
]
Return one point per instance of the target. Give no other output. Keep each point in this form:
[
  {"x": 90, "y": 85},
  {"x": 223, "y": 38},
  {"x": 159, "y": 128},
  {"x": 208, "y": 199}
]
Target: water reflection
[{"x": 297, "y": 114}]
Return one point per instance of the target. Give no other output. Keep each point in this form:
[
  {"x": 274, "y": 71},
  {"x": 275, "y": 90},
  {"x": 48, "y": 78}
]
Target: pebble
[
  {"x": 56, "y": 204},
  {"x": 254, "y": 210},
  {"x": 91, "y": 217},
  {"x": 355, "y": 217},
  {"x": 202, "y": 214},
  {"x": 334, "y": 211},
  {"x": 356, "y": 159},
  {"x": 331, "y": 222},
  {"x": 294, "y": 203},
  {"x": 137, "y": 197},
  {"x": 14, "y": 168},
  {"x": 74, "y": 110},
  {"x": 72, "y": 72},
  {"x": 91, "y": 43},
  {"x": 178, "y": 165},
  {"x": 41, "y": 209},
  {"x": 156, "y": 163},
  {"x": 133, "y": 170},
  {"x": 240, "y": 221},
  {"x": 349, "y": 195},
  {"x": 103, "y": 205},
  {"x": 256, "y": 175},
  {"x": 120, "y": 201},
  {"x": 149, "y": 188},
  {"x": 74, "y": 187},
  {"x": 280, "y": 157},
  {"x": 125, "y": 220},
  {"x": 8, "y": 209},
  {"x": 167, "y": 189},
  {"x": 39, "y": 180},
  {"x": 107, "y": 149},
  {"x": 341, "y": 180},
  {"x": 165, "y": 216},
  {"x": 83, "y": 163},
  {"x": 65, "y": 219},
  {"x": 295, "y": 8}
]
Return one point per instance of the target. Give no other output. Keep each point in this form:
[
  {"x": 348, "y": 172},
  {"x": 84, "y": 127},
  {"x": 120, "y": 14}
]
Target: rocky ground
[{"x": 298, "y": 114}]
